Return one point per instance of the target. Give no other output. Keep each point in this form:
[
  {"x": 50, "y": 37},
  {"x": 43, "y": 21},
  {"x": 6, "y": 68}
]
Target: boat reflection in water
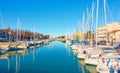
[
  {"x": 90, "y": 68},
  {"x": 54, "y": 57}
]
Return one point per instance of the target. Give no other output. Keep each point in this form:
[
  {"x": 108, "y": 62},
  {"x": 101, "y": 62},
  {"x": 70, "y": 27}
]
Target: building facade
[{"x": 109, "y": 32}]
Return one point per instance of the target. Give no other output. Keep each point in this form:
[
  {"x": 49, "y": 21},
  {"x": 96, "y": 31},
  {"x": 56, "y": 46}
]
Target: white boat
[
  {"x": 4, "y": 56},
  {"x": 82, "y": 54},
  {"x": 92, "y": 60},
  {"x": 110, "y": 55},
  {"x": 68, "y": 42},
  {"x": 107, "y": 66},
  {"x": 30, "y": 43},
  {"x": 3, "y": 48},
  {"x": 19, "y": 46},
  {"x": 76, "y": 46},
  {"x": 101, "y": 68},
  {"x": 22, "y": 44}
]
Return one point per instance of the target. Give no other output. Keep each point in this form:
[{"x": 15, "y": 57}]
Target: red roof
[{"x": 114, "y": 31}]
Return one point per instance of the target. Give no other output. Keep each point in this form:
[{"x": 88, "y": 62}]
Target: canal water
[{"x": 55, "y": 57}]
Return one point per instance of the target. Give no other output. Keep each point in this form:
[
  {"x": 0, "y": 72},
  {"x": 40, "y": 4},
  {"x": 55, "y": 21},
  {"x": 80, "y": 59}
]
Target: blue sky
[{"x": 55, "y": 17}]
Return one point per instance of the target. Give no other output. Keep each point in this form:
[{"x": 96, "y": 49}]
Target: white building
[{"x": 109, "y": 32}]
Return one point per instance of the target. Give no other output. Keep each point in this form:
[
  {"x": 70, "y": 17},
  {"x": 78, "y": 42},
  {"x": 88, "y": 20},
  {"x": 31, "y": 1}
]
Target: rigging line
[
  {"x": 88, "y": 18},
  {"x": 86, "y": 24},
  {"x": 91, "y": 15},
  {"x": 109, "y": 11}
]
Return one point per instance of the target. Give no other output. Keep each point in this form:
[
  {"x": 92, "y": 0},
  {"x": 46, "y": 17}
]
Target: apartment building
[{"x": 109, "y": 32}]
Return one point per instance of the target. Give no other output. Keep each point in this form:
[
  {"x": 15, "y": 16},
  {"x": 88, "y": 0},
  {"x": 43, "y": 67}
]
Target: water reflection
[
  {"x": 33, "y": 56},
  {"x": 16, "y": 69},
  {"x": 52, "y": 58},
  {"x": 8, "y": 64},
  {"x": 90, "y": 68}
]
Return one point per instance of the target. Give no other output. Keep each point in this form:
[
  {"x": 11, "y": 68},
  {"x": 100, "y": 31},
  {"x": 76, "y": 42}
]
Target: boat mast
[
  {"x": 78, "y": 26},
  {"x": 97, "y": 20},
  {"x": 91, "y": 22},
  {"x": 73, "y": 34},
  {"x": 23, "y": 33},
  {"x": 78, "y": 30},
  {"x": 33, "y": 34},
  {"x": 20, "y": 29},
  {"x": 66, "y": 36},
  {"x": 9, "y": 33},
  {"x": 17, "y": 29},
  {"x": 87, "y": 24},
  {"x": 105, "y": 20},
  {"x": 83, "y": 27}
]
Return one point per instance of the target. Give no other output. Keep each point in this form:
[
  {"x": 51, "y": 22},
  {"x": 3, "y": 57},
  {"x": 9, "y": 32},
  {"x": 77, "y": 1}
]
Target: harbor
[{"x": 60, "y": 36}]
